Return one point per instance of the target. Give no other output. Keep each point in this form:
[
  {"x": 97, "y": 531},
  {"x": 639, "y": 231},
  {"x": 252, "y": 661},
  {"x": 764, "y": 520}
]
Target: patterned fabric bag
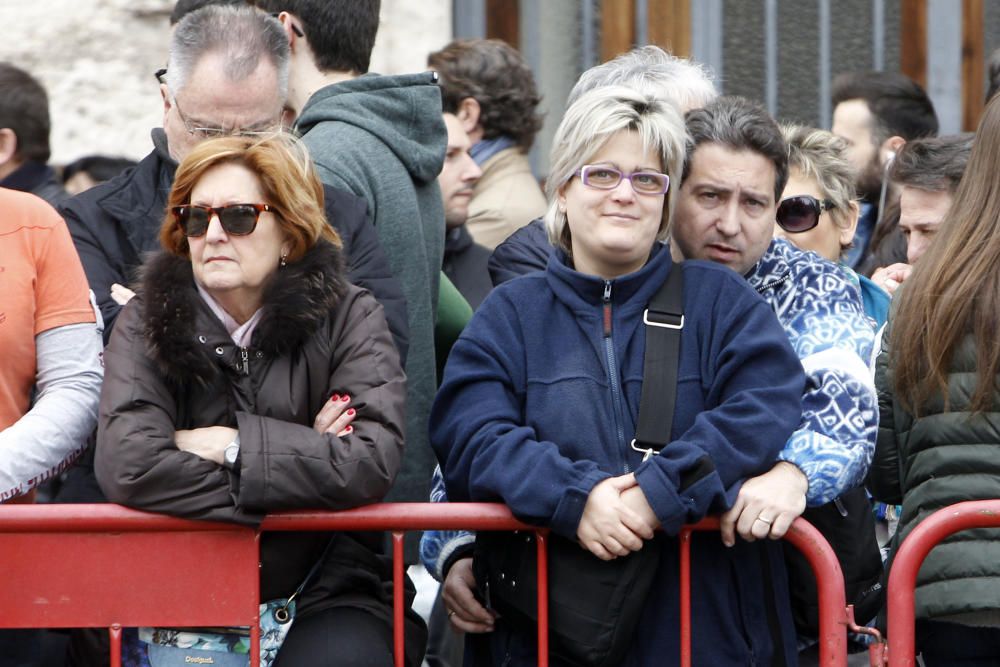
[{"x": 219, "y": 647}]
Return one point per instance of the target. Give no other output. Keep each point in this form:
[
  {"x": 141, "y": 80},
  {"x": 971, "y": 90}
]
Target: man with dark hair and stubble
[
  {"x": 490, "y": 89},
  {"x": 382, "y": 138},
  {"x": 926, "y": 172},
  {"x": 876, "y": 113},
  {"x": 24, "y": 136}
]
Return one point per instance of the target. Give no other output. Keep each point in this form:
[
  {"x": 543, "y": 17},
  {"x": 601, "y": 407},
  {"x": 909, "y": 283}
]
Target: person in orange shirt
[{"x": 50, "y": 378}]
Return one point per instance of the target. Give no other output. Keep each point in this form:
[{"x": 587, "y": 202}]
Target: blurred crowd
[{"x": 325, "y": 287}]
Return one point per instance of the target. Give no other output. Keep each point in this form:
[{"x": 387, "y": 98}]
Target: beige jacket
[{"x": 506, "y": 198}]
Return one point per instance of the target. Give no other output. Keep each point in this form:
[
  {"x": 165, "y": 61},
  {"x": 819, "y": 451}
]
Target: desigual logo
[{"x": 198, "y": 660}]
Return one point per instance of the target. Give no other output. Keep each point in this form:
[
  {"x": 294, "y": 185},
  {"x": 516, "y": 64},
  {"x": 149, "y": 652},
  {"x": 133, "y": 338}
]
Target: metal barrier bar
[
  {"x": 906, "y": 564},
  {"x": 402, "y": 517},
  {"x": 833, "y": 614}
]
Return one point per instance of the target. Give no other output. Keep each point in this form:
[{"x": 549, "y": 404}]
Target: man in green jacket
[{"x": 382, "y": 138}]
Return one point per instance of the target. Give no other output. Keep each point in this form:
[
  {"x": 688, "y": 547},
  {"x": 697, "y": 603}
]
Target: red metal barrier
[
  {"x": 910, "y": 556},
  {"x": 122, "y": 564},
  {"x": 833, "y": 613}
]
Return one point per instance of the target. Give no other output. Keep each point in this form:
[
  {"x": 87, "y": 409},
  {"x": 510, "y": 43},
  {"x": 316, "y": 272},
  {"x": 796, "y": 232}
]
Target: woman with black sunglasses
[
  {"x": 819, "y": 209},
  {"x": 248, "y": 376}
]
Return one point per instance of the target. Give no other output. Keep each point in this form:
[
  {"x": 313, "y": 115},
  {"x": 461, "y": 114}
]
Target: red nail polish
[
  {"x": 335, "y": 397},
  {"x": 350, "y": 411},
  {"x": 345, "y": 398},
  {"x": 349, "y": 429}
]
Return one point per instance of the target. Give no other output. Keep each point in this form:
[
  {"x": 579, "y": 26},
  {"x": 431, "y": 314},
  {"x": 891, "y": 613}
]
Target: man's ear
[
  {"x": 290, "y": 32},
  {"x": 8, "y": 145},
  {"x": 468, "y": 114},
  {"x": 889, "y": 148},
  {"x": 167, "y": 102}
]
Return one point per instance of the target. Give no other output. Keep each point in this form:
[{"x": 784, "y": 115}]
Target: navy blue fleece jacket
[{"x": 539, "y": 403}]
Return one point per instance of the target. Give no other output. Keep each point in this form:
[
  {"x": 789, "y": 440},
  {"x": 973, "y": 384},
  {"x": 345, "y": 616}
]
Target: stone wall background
[{"x": 96, "y": 58}]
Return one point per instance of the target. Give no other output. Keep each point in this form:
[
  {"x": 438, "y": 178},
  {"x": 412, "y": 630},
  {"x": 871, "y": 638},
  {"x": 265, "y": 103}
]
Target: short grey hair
[
  {"x": 652, "y": 71},
  {"x": 241, "y": 34},
  {"x": 822, "y": 156},
  {"x": 588, "y": 125}
]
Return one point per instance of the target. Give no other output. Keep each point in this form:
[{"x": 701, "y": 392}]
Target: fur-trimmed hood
[{"x": 296, "y": 302}]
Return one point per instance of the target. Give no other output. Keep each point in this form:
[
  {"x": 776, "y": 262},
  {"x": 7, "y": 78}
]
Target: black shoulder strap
[{"x": 664, "y": 320}]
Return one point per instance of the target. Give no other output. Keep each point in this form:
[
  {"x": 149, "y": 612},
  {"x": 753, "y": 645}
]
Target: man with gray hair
[
  {"x": 647, "y": 69},
  {"x": 227, "y": 74}
]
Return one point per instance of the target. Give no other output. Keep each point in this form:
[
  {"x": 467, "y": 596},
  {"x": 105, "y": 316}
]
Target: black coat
[
  {"x": 525, "y": 251},
  {"x": 465, "y": 265},
  {"x": 172, "y": 365},
  {"x": 114, "y": 224}
]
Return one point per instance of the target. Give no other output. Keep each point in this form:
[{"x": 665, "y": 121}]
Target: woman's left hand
[
  {"x": 335, "y": 416},
  {"x": 208, "y": 442}
]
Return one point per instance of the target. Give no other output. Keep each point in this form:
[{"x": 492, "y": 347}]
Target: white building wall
[{"x": 96, "y": 58}]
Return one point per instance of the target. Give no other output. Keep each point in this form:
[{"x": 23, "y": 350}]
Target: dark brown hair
[
  {"x": 24, "y": 108},
  {"x": 954, "y": 290},
  {"x": 494, "y": 74},
  {"x": 933, "y": 164}
]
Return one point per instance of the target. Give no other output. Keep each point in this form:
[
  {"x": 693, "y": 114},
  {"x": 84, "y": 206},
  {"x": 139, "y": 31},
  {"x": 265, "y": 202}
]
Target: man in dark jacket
[
  {"x": 115, "y": 223},
  {"x": 24, "y": 136},
  {"x": 382, "y": 138},
  {"x": 464, "y": 259}
]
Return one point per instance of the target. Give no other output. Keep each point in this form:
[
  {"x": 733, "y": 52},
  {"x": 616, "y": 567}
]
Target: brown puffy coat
[{"x": 171, "y": 365}]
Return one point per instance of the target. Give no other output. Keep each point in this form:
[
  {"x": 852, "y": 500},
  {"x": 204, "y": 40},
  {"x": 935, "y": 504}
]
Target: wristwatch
[{"x": 232, "y": 452}]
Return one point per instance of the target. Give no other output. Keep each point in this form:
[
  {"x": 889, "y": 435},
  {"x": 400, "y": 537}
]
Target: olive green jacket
[{"x": 944, "y": 457}]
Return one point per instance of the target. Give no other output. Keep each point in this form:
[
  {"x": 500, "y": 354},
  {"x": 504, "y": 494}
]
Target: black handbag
[
  {"x": 594, "y": 605},
  {"x": 848, "y": 524}
]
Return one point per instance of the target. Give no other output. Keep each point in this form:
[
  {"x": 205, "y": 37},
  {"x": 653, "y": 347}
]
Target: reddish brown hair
[{"x": 287, "y": 178}]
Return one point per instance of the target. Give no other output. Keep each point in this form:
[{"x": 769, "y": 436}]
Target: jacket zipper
[
  {"x": 245, "y": 356},
  {"x": 616, "y": 395}
]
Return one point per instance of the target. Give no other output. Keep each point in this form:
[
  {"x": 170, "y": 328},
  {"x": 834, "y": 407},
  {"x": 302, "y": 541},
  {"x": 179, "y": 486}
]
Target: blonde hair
[
  {"x": 822, "y": 157},
  {"x": 287, "y": 177},
  {"x": 590, "y": 123}
]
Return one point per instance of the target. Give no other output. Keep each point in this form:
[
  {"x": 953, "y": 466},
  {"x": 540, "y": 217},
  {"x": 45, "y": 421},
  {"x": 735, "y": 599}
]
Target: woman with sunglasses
[
  {"x": 540, "y": 397},
  {"x": 819, "y": 210},
  {"x": 939, "y": 404},
  {"x": 247, "y": 377}
]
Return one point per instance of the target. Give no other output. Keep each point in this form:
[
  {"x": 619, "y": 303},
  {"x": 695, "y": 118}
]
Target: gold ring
[{"x": 451, "y": 613}]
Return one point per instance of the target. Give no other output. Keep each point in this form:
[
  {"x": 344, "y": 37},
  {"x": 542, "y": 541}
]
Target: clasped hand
[
  {"x": 766, "y": 505},
  {"x": 616, "y": 519}
]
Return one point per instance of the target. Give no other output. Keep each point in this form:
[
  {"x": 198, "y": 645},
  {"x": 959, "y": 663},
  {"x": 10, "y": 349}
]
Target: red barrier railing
[
  {"x": 104, "y": 566},
  {"x": 900, "y": 592}
]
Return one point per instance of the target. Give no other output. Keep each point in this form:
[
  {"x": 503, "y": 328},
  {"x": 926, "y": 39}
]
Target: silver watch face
[{"x": 232, "y": 451}]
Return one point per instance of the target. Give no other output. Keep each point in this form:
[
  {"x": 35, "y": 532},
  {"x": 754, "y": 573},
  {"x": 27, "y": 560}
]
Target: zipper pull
[
  {"x": 607, "y": 308},
  {"x": 245, "y": 356}
]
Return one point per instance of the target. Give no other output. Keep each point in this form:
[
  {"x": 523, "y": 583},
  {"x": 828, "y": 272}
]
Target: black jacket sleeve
[
  {"x": 367, "y": 265},
  {"x": 102, "y": 270},
  {"x": 884, "y": 477}
]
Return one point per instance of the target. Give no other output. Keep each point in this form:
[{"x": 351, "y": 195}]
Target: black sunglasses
[
  {"x": 236, "y": 219},
  {"x": 800, "y": 213}
]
